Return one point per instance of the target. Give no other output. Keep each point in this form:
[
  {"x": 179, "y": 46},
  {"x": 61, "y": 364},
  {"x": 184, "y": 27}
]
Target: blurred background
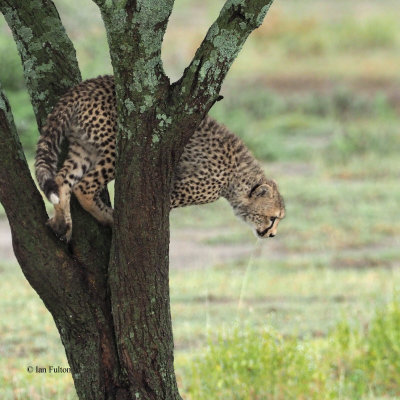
[{"x": 313, "y": 313}]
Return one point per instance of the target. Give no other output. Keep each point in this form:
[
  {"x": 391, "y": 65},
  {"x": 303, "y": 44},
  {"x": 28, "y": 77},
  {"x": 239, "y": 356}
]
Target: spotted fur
[{"x": 214, "y": 163}]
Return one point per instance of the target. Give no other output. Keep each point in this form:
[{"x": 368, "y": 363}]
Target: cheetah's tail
[{"x": 47, "y": 153}]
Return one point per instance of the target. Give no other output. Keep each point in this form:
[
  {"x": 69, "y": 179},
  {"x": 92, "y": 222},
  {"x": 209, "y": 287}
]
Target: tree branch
[
  {"x": 47, "y": 54},
  {"x": 202, "y": 79}
]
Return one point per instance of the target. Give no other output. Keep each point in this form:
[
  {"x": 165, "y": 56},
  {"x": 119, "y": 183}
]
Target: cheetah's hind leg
[
  {"x": 61, "y": 222},
  {"x": 66, "y": 178},
  {"x": 88, "y": 192}
]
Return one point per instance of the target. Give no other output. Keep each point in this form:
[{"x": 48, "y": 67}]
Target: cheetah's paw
[{"x": 61, "y": 229}]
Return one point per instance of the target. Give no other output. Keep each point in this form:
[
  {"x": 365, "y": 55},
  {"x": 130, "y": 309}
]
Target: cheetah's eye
[{"x": 272, "y": 219}]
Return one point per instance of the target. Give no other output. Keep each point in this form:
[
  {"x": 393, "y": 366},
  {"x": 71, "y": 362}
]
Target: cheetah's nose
[{"x": 271, "y": 235}]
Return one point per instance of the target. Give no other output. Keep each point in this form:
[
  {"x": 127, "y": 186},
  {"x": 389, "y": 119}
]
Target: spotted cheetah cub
[{"x": 214, "y": 163}]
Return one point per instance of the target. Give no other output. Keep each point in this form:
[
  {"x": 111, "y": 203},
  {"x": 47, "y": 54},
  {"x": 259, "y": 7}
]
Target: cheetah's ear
[{"x": 259, "y": 190}]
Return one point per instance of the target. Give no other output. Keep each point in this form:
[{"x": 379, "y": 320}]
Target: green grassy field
[{"x": 315, "y": 312}]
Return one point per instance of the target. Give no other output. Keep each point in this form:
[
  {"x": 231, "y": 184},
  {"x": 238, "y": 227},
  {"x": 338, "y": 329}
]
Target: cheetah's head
[{"x": 263, "y": 207}]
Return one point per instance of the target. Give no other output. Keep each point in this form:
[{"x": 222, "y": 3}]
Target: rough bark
[{"x": 110, "y": 300}]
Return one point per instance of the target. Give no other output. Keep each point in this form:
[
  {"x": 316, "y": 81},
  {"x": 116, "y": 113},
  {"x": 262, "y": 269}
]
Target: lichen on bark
[{"x": 41, "y": 41}]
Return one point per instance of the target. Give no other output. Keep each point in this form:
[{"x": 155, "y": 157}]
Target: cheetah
[{"x": 215, "y": 163}]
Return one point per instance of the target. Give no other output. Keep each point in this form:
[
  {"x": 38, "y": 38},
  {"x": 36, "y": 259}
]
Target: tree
[{"x": 109, "y": 293}]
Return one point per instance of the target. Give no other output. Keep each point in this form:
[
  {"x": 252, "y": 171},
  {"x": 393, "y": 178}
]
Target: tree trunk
[
  {"x": 139, "y": 277},
  {"x": 109, "y": 297}
]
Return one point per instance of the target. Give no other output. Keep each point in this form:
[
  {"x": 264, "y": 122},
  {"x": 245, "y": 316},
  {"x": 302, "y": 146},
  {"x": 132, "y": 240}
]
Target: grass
[
  {"x": 28, "y": 338},
  {"x": 312, "y": 314},
  {"x": 297, "y": 294},
  {"x": 352, "y": 362}
]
